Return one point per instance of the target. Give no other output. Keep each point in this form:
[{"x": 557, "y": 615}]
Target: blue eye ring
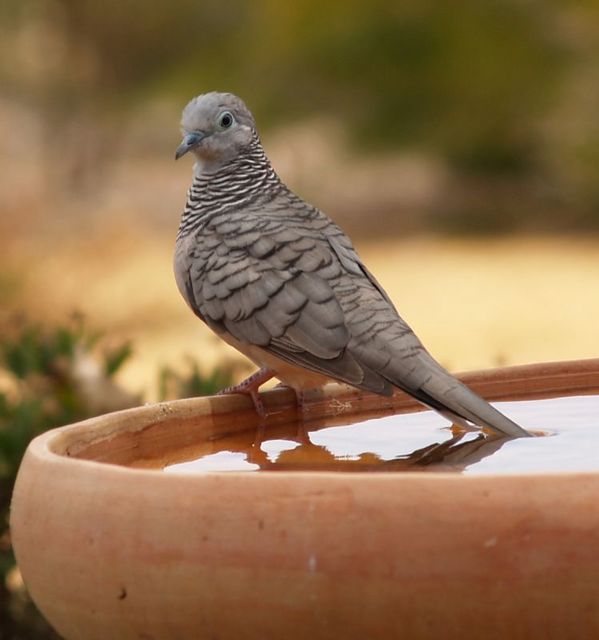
[{"x": 225, "y": 120}]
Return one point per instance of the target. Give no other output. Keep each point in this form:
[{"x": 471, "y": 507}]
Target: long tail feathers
[
  {"x": 446, "y": 394},
  {"x": 463, "y": 403}
]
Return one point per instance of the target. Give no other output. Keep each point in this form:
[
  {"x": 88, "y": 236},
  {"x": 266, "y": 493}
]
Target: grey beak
[{"x": 189, "y": 142}]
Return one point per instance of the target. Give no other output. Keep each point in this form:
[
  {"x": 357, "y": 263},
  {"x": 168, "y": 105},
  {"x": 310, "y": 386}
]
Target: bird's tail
[{"x": 447, "y": 395}]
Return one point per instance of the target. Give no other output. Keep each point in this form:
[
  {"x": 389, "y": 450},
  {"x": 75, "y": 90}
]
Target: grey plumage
[{"x": 282, "y": 282}]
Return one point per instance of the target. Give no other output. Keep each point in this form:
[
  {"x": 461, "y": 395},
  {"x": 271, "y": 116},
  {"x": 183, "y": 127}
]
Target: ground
[{"x": 474, "y": 303}]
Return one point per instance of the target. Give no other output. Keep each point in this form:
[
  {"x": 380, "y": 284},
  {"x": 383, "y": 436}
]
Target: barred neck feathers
[{"x": 239, "y": 183}]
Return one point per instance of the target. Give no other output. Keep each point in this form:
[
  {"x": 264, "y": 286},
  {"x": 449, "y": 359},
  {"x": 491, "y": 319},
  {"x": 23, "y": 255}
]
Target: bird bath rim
[{"x": 148, "y": 427}]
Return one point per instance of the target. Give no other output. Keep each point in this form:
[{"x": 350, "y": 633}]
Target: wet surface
[{"x": 567, "y": 431}]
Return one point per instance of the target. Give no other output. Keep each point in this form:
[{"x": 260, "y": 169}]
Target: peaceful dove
[{"x": 278, "y": 280}]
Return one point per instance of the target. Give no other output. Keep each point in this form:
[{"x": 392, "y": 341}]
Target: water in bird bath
[{"x": 416, "y": 442}]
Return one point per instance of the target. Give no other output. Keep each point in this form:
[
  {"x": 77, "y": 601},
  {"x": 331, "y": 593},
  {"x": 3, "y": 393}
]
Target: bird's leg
[
  {"x": 250, "y": 387},
  {"x": 303, "y": 435},
  {"x": 300, "y": 399}
]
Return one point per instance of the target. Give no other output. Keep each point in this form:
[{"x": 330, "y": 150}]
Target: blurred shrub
[
  {"x": 496, "y": 89},
  {"x": 46, "y": 377},
  {"x": 193, "y": 382},
  {"x": 466, "y": 78}
]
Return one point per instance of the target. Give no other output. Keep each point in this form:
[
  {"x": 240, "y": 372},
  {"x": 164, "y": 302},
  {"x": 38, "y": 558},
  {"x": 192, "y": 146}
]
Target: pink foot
[{"x": 250, "y": 387}]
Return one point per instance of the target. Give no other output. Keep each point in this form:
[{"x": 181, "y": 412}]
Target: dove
[{"x": 278, "y": 280}]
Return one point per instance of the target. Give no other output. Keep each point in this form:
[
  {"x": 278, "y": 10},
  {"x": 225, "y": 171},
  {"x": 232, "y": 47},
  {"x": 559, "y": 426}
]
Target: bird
[{"x": 282, "y": 283}]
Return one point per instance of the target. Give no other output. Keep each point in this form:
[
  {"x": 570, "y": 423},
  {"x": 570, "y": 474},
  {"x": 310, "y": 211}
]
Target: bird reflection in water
[{"x": 461, "y": 449}]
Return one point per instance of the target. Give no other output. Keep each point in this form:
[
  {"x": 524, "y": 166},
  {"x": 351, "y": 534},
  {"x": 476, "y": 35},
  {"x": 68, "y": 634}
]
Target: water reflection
[
  {"x": 417, "y": 442},
  {"x": 304, "y": 453}
]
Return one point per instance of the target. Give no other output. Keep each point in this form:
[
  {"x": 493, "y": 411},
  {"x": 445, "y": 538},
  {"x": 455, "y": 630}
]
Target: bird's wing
[{"x": 276, "y": 286}]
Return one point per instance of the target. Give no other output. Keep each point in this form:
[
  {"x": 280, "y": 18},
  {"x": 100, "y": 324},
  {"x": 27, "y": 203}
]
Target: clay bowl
[{"x": 111, "y": 550}]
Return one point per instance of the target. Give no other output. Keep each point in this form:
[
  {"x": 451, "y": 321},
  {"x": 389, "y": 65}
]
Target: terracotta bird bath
[{"x": 112, "y": 547}]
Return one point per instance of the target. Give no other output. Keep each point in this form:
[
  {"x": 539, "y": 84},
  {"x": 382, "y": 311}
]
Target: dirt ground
[{"x": 474, "y": 303}]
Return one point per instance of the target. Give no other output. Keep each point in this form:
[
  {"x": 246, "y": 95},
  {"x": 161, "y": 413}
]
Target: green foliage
[
  {"x": 462, "y": 78},
  {"x": 495, "y": 89},
  {"x": 466, "y": 78},
  {"x": 115, "y": 358},
  {"x": 39, "y": 369},
  {"x": 35, "y": 351},
  {"x": 41, "y": 366},
  {"x": 193, "y": 382},
  {"x": 20, "y": 422}
]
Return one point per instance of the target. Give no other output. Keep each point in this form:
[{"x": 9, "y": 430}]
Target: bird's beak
[{"x": 190, "y": 140}]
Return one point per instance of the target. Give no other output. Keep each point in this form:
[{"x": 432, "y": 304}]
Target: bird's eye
[{"x": 225, "y": 120}]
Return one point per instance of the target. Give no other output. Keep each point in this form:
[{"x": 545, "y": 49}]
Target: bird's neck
[{"x": 242, "y": 182}]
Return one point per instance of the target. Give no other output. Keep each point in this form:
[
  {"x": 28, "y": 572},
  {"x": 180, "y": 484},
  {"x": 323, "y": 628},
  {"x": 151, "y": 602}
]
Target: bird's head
[{"x": 216, "y": 127}]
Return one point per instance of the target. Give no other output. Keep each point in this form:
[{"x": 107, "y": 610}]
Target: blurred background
[{"x": 457, "y": 143}]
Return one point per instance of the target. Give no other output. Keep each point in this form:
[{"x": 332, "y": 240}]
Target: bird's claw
[{"x": 250, "y": 387}]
